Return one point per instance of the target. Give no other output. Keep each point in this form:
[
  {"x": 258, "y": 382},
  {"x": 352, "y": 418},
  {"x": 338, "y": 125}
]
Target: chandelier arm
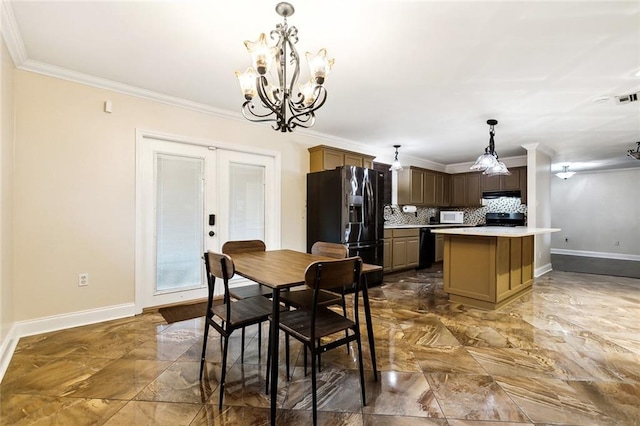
[
  {"x": 249, "y": 113},
  {"x": 295, "y": 61},
  {"x": 307, "y": 114},
  {"x": 261, "y": 85}
]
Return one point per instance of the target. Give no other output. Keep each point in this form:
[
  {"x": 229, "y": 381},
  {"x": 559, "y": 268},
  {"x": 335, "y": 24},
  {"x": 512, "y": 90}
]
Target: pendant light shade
[
  {"x": 488, "y": 162},
  {"x": 396, "y": 166}
]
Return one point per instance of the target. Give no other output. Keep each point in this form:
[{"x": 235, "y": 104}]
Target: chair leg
[
  {"x": 319, "y": 361},
  {"x": 287, "y": 354},
  {"x": 224, "y": 369},
  {"x": 305, "y": 361},
  {"x": 344, "y": 311},
  {"x": 242, "y": 348},
  {"x": 314, "y": 396},
  {"x": 259, "y": 339},
  {"x": 359, "y": 341},
  {"x": 204, "y": 347}
]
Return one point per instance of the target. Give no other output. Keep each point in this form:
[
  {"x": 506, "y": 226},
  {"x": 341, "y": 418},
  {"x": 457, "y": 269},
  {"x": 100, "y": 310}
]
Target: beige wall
[
  {"x": 75, "y": 188},
  {"x": 7, "y": 72}
]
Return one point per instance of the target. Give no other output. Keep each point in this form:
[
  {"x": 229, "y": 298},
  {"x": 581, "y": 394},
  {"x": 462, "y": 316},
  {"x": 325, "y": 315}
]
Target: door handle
[{"x": 211, "y": 233}]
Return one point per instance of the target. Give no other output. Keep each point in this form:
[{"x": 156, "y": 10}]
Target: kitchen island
[{"x": 488, "y": 267}]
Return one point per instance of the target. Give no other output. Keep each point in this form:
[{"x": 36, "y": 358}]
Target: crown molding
[
  {"x": 102, "y": 83},
  {"x": 11, "y": 35}
]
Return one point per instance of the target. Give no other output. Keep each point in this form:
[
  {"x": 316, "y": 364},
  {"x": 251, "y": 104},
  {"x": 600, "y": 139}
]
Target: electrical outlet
[{"x": 83, "y": 279}]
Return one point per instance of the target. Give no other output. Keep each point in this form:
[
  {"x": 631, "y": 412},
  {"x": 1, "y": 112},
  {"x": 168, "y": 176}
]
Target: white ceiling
[{"x": 423, "y": 74}]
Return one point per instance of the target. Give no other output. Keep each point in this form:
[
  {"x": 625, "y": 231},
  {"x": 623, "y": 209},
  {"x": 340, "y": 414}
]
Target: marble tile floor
[{"x": 568, "y": 353}]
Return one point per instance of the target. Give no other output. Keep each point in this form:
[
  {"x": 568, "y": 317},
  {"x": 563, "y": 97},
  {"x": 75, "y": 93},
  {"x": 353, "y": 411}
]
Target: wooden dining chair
[
  {"x": 245, "y": 246},
  {"x": 249, "y": 290},
  {"x": 303, "y": 299},
  {"x": 310, "y": 324},
  {"x": 232, "y": 314}
]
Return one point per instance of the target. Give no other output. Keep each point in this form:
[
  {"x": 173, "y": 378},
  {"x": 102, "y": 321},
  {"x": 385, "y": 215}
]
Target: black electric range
[{"x": 505, "y": 219}]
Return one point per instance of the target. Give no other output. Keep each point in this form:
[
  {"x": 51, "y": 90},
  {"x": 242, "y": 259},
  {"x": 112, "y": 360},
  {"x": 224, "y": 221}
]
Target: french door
[{"x": 193, "y": 198}]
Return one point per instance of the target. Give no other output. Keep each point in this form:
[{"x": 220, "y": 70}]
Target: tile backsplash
[{"x": 394, "y": 215}]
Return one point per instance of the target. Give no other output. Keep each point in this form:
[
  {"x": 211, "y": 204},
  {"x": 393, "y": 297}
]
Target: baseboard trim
[
  {"x": 73, "y": 319},
  {"x": 7, "y": 347},
  {"x": 599, "y": 254},
  {"x": 542, "y": 270}
]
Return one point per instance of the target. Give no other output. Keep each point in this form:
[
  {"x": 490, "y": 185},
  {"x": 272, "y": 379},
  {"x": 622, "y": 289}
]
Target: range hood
[{"x": 488, "y": 195}]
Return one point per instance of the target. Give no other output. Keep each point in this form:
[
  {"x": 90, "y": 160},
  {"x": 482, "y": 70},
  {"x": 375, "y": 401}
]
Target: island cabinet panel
[
  {"x": 470, "y": 272},
  {"x": 487, "y": 272}
]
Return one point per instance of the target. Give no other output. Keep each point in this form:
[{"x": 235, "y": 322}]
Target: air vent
[{"x": 625, "y": 99}]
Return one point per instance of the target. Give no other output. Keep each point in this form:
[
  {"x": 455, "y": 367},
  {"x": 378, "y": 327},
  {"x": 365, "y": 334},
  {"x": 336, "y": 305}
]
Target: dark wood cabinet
[
  {"x": 466, "y": 189},
  {"x": 458, "y": 188},
  {"x": 423, "y": 187},
  {"x": 430, "y": 196},
  {"x": 411, "y": 186},
  {"x": 324, "y": 157}
]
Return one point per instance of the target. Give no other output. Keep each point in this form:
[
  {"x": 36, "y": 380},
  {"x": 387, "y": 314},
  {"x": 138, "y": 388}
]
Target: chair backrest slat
[
  {"x": 335, "y": 250},
  {"x": 216, "y": 260},
  {"x": 243, "y": 246},
  {"x": 325, "y": 274}
]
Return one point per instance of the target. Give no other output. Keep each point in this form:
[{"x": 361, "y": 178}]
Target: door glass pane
[
  {"x": 180, "y": 209},
  {"x": 246, "y": 201}
]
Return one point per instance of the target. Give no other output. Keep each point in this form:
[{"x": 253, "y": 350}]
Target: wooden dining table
[{"x": 284, "y": 269}]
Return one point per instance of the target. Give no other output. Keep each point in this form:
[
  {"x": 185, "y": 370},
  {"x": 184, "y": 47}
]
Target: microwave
[{"x": 451, "y": 217}]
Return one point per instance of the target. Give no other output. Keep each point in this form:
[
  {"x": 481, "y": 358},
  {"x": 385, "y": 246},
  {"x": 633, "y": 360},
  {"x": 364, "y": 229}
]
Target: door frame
[{"x": 141, "y": 135}]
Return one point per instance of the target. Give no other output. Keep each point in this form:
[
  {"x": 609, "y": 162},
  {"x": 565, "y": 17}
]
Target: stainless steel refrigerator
[{"x": 344, "y": 206}]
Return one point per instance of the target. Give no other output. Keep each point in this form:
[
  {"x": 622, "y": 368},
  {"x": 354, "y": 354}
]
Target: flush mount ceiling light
[
  {"x": 286, "y": 103},
  {"x": 635, "y": 154},
  {"x": 488, "y": 162},
  {"x": 565, "y": 173},
  {"x": 396, "y": 166}
]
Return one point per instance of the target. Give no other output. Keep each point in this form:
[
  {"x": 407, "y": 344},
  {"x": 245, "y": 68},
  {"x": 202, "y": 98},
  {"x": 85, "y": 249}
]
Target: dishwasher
[{"x": 427, "y": 253}]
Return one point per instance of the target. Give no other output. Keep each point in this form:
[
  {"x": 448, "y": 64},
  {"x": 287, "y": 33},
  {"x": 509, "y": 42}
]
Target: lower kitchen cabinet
[
  {"x": 401, "y": 249},
  {"x": 386, "y": 256}
]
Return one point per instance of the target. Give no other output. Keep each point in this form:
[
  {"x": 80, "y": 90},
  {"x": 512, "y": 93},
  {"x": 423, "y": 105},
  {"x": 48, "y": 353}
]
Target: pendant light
[
  {"x": 488, "y": 162},
  {"x": 396, "y": 166}
]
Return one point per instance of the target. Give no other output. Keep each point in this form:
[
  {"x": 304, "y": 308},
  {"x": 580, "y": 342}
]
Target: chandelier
[
  {"x": 281, "y": 99},
  {"x": 635, "y": 154},
  {"x": 488, "y": 162},
  {"x": 565, "y": 173}
]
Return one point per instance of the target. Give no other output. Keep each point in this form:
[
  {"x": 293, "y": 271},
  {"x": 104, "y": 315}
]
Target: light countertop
[
  {"x": 437, "y": 225},
  {"x": 497, "y": 231}
]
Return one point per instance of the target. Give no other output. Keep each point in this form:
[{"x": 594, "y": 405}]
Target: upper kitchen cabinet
[
  {"x": 411, "y": 186},
  {"x": 324, "y": 157},
  {"x": 423, "y": 187},
  {"x": 517, "y": 180},
  {"x": 504, "y": 182},
  {"x": 466, "y": 189}
]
